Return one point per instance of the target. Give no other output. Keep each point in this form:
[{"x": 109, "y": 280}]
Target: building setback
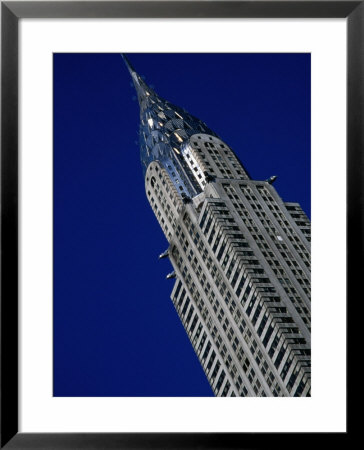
[{"x": 241, "y": 255}]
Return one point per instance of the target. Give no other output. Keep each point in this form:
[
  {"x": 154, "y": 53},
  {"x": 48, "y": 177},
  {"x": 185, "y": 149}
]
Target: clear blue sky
[{"x": 116, "y": 332}]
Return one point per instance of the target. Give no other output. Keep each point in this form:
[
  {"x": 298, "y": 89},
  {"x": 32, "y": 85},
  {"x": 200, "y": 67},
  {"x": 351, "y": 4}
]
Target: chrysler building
[{"x": 240, "y": 254}]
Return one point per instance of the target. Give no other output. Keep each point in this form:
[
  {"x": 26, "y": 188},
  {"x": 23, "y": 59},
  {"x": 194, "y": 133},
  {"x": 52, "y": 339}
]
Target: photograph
[{"x": 181, "y": 224}]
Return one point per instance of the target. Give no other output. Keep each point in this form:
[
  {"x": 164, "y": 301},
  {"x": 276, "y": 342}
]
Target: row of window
[
  {"x": 282, "y": 220},
  {"x": 234, "y": 310},
  {"x": 219, "y": 160},
  {"x": 210, "y": 361},
  {"x": 301, "y": 219},
  {"x": 207, "y": 317},
  {"x": 205, "y": 218},
  {"x": 270, "y": 256},
  {"x": 268, "y": 224},
  {"x": 163, "y": 188}
]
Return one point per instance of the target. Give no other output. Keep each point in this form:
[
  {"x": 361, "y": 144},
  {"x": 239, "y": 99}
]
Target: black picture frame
[{"x": 11, "y": 12}]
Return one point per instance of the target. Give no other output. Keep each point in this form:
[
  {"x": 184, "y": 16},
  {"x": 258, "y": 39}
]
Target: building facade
[{"x": 241, "y": 255}]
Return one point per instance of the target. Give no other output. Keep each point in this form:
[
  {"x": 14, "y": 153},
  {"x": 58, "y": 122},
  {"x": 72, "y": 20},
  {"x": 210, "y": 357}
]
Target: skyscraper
[{"x": 241, "y": 255}]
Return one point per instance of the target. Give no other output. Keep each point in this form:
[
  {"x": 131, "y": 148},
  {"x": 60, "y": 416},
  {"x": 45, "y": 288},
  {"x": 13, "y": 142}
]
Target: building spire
[
  {"x": 127, "y": 62},
  {"x": 141, "y": 87},
  {"x": 164, "y": 131}
]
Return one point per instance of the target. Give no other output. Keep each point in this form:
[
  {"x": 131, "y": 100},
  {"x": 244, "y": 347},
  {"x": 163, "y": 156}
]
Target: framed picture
[
  {"x": 177, "y": 371},
  {"x": 78, "y": 340}
]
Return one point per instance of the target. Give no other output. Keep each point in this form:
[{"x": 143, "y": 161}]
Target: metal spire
[
  {"x": 164, "y": 130},
  {"x": 127, "y": 62},
  {"x": 141, "y": 87}
]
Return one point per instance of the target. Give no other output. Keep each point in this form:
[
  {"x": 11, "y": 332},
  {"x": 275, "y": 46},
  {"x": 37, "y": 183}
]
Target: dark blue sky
[{"x": 116, "y": 332}]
